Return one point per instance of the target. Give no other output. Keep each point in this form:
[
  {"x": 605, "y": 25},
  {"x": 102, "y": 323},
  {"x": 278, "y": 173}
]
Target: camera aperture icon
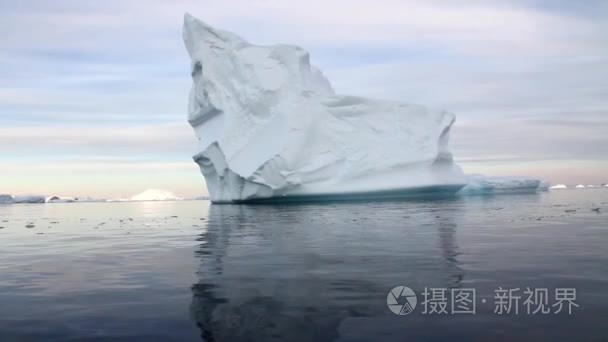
[{"x": 401, "y": 300}]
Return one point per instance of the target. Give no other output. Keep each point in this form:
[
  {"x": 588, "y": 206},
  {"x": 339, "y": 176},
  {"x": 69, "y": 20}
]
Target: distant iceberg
[
  {"x": 580, "y": 186},
  {"x": 480, "y": 184},
  {"x": 88, "y": 199},
  {"x": 559, "y": 186},
  {"x": 57, "y": 199},
  {"x": 9, "y": 199},
  {"x": 6, "y": 199},
  {"x": 118, "y": 200},
  {"x": 29, "y": 199},
  {"x": 155, "y": 195}
]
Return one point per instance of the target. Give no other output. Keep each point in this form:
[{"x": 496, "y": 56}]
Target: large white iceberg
[{"x": 270, "y": 126}]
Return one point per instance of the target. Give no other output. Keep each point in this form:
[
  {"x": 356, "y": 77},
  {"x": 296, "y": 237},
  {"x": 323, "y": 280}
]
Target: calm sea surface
[{"x": 184, "y": 271}]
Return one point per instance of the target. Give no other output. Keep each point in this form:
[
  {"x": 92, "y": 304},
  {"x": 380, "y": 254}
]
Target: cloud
[
  {"x": 534, "y": 138},
  {"x": 494, "y": 88},
  {"x": 494, "y": 27},
  {"x": 130, "y": 139}
]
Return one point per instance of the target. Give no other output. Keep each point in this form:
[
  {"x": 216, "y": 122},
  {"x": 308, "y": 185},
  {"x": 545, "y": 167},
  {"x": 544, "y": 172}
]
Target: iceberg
[
  {"x": 155, "y": 195},
  {"x": 89, "y": 199},
  {"x": 6, "y": 199},
  {"x": 480, "y": 184},
  {"x": 558, "y": 186},
  {"x": 580, "y": 186},
  {"x": 118, "y": 200},
  {"x": 56, "y": 199},
  {"x": 270, "y": 127},
  {"x": 29, "y": 199}
]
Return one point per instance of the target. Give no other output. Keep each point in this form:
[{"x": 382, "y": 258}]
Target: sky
[{"x": 93, "y": 94}]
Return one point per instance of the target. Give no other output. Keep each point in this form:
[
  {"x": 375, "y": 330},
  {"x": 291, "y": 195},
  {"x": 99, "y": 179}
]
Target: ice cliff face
[{"x": 270, "y": 126}]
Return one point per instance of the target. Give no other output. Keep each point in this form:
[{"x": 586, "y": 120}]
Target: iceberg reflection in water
[{"x": 303, "y": 272}]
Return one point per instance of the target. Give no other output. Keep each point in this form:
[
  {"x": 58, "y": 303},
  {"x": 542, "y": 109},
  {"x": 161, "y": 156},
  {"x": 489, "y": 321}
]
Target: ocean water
[{"x": 186, "y": 271}]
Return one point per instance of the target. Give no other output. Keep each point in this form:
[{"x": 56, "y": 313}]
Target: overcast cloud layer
[{"x": 93, "y": 94}]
